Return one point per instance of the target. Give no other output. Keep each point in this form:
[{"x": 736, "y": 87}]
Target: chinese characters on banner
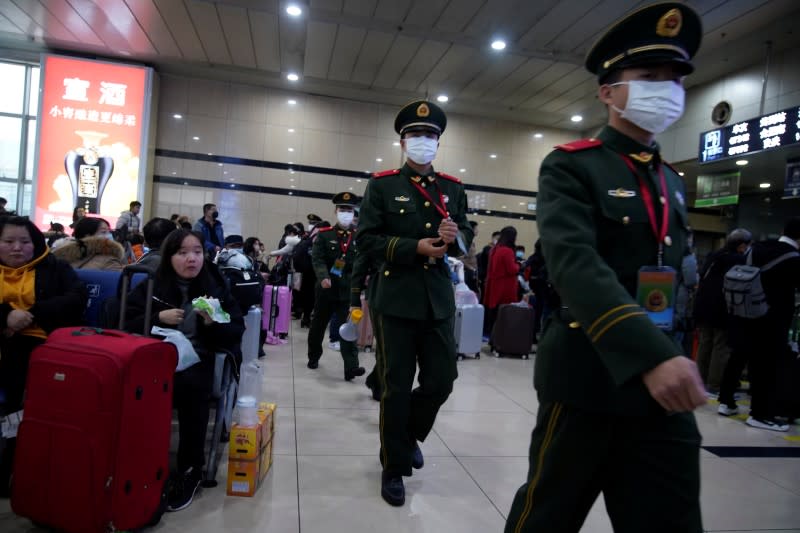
[{"x": 91, "y": 149}]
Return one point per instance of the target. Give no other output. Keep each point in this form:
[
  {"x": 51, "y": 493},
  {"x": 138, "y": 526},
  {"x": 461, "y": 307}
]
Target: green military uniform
[
  {"x": 411, "y": 296},
  {"x": 598, "y": 429},
  {"x": 332, "y": 245},
  {"x": 363, "y": 268}
]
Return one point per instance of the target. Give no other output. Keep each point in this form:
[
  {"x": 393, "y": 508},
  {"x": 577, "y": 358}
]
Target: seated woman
[
  {"x": 92, "y": 247},
  {"x": 182, "y": 276},
  {"x": 38, "y": 293}
]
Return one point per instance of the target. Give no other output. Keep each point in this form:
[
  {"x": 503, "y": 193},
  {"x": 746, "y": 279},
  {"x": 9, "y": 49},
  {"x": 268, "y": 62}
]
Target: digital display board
[
  {"x": 774, "y": 130},
  {"x": 92, "y": 138},
  {"x": 719, "y": 189}
]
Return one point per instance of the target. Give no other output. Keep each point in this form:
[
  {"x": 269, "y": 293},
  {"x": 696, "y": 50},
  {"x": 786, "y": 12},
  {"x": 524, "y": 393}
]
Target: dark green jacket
[
  {"x": 362, "y": 268},
  {"x": 327, "y": 248},
  {"x": 596, "y": 235},
  {"x": 393, "y": 218}
]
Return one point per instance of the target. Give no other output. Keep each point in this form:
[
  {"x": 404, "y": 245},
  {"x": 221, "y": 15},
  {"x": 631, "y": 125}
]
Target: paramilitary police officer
[
  {"x": 410, "y": 218},
  {"x": 616, "y": 395},
  {"x": 332, "y": 256}
]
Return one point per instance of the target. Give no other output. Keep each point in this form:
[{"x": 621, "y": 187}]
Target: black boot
[
  {"x": 392, "y": 489},
  {"x": 417, "y": 460},
  {"x": 350, "y": 373}
]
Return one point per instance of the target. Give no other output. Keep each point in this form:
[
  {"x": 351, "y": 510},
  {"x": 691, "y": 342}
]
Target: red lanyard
[
  {"x": 650, "y": 203},
  {"x": 345, "y": 245},
  {"x": 441, "y": 207}
]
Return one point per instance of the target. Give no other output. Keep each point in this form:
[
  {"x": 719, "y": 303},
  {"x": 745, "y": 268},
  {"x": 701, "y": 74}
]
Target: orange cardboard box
[
  {"x": 245, "y": 442},
  {"x": 266, "y": 416},
  {"x": 246, "y": 476}
]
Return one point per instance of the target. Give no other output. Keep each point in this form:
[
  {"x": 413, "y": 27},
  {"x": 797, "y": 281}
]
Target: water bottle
[
  {"x": 249, "y": 395},
  {"x": 349, "y": 330}
]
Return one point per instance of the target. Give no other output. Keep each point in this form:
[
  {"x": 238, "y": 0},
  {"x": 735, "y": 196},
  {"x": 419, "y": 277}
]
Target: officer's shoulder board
[
  {"x": 326, "y": 228},
  {"x": 383, "y": 174},
  {"x": 447, "y": 177},
  {"x": 579, "y": 145}
]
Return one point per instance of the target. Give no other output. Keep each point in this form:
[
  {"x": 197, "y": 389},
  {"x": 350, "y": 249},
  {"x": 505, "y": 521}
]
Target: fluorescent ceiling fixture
[
  {"x": 294, "y": 10},
  {"x": 443, "y": 98},
  {"x": 395, "y": 143},
  {"x": 765, "y": 185},
  {"x": 498, "y": 44},
  {"x": 291, "y": 149},
  {"x": 291, "y": 130},
  {"x": 493, "y": 156},
  {"x": 219, "y": 164},
  {"x": 504, "y": 207},
  {"x": 576, "y": 118},
  {"x": 537, "y": 135},
  {"x": 177, "y": 115},
  {"x": 463, "y": 170},
  {"x": 681, "y": 174},
  {"x": 379, "y": 160},
  {"x": 742, "y": 162},
  {"x": 195, "y": 138},
  {"x": 292, "y": 102},
  {"x": 522, "y": 203},
  {"x": 292, "y": 76},
  {"x": 358, "y": 180}
]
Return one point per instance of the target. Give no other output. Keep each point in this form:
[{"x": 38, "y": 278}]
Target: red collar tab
[
  {"x": 580, "y": 145},
  {"x": 447, "y": 177},
  {"x": 385, "y": 173},
  {"x": 326, "y": 228}
]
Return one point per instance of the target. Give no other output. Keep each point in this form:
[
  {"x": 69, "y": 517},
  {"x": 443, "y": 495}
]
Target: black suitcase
[{"x": 512, "y": 333}]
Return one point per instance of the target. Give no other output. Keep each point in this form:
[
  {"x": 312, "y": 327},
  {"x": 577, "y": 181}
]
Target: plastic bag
[
  {"x": 213, "y": 308},
  {"x": 187, "y": 356},
  {"x": 465, "y": 296}
]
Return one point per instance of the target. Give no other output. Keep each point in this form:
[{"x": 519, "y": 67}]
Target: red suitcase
[{"x": 93, "y": 446}]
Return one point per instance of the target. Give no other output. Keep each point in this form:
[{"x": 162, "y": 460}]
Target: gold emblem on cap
[
  {"x": 423, "y": 110},
  {"x": 669, "y": 25},
  {"x": 346, "y": 196}
]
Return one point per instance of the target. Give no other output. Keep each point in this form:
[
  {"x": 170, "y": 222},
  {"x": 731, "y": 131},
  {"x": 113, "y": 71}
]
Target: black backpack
[{"x": 247, "y": 286}]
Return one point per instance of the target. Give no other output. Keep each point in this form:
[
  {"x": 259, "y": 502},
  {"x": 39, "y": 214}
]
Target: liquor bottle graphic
[{"x": 89, "y": 171}]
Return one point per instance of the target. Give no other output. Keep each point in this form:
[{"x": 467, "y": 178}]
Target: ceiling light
[
  {"x": 176, "y": 115},
  {"x": 291, "y": 130},
  {"x": 742, "y": 162},
  {"x": 379, "y": 160},
  {"x": 498, "y": 44},
  {"x": 504, "y": 207},
  {"x": 442, "y": 98},
  {"x": 395, "y": 143},
  {"x": 765, "y": 185},
  {"x": 294, "y": 10},
  {"x": 294, "y": 186},
  {"x": 225, "y": 172},
  {"x": 576, "y": 118},
  {"x": 462, "y": 170},
  {"x": 537, "y": 135},
  {"x": 219, "y": 164},
  {"x": 195, "y": 138},
  {"x": 292, "y": 102},
  {"x": 209, "y": 153},
  {"x": 291, "y": 149},
  {"x": 358, "y": 180},
  {"x": 292, "y": 76},
  {"x": 681, "y": 173},
  {"x": 493, "y": 156},
  {"x": 174, "y": 173},
  {"x": 291, "y": 179},
  {"x": 522, "y": 203},
  {"x": 351, "y": 188}
]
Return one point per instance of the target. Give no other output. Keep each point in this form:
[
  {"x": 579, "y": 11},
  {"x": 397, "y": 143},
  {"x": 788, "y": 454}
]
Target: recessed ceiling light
[
  {"x": 395, "y": 143},
  {"x": 765, "y": 185},
  {"x": 209, "y": 153},
  {"x": 219, "y": 164},
  {"x": 176, "y": 115},
  {"x": 294, "y": 186},
  {"x": 358, "y": 180},
  {"x": 537, "y": 135},
  {"x": 522, "y": 203},
  {"x": 225, "y": 172},
  {"x": 462, "y": 170},
  {"x": 498, "y": 44},
  {"x": 576, "y": 118},
  {"x": 195, "y": 138},
  {"x": 681, "y": 173},
  {"x": 742, "y": 162},
  {"x": 291, "y": 149},
  {"x": 292, "y": 76},
  {"x": 294, "y": 10},
  {"x": 351, "y": 188},
  {"x": 174, "y": 173},
  {"x": 379, "y": 160},
  {"x": 443, "y": 98},
  {"x": 291, "y": 130},
  {"x": 483, "y": 222},
  {"x": 292, "y": 102},
  {"x": 291, "y": 179},
  {"x": 493, "y": 156},
  {"x": 504, "y": 207}
]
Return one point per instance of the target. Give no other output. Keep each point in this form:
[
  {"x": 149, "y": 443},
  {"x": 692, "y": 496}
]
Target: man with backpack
[{"x": 761, "y": 300}]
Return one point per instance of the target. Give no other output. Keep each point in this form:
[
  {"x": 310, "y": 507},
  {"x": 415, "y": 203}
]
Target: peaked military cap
[
  {"x": 346, "y": 199},
  {"x": 420, "y": 115},
  {"x": 313, "y": 219},
  {"x": 668, "y": 32}
]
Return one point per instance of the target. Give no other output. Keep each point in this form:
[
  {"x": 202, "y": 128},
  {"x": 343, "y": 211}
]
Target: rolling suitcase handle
[{"x": 127, "y": 276}]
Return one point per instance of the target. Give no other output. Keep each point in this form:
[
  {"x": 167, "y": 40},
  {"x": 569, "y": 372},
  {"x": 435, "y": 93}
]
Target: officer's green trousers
[
  {"x": 324, "y": 307},
  {"x": 648, "y": 469},
  {"x": 407, "y": 416}
]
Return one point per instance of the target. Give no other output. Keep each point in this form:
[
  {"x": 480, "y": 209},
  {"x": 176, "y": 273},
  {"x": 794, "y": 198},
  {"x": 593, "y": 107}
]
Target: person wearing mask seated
[
  {"x": 182, "y": 276},
  {"x": 38, "y": 293},
  {"x": 155, "y": 231},
  {"x": 92, "y": 247}
]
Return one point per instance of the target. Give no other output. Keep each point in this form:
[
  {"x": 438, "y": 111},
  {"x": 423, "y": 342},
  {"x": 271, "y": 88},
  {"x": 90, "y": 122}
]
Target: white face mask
[
  {"x": 310, "y": 228},
  {"x": 345, "y": 218},
  {"x": 292, "y": 240},
  {"x": 421, "y": 150},
  {"x": 652, "y": 105}
]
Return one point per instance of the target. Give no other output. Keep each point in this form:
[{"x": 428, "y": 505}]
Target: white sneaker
[
  {"x": 334, "y": 346},
  {"x": 766, "y": 424},
  {"x": 724, "y": 410},
  {"x": 711, "y": 395}
]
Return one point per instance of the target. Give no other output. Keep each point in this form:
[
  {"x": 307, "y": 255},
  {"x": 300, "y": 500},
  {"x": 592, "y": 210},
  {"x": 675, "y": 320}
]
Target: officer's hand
[
  {"x": 676, "y": 385},
  {"x": 18, "y": 320},
  {"x": 325, "y": 283},
  {"x": 448, "y": 230},
  {"x": 431, "y": 247},
  {"x": 171, "y": 317}
]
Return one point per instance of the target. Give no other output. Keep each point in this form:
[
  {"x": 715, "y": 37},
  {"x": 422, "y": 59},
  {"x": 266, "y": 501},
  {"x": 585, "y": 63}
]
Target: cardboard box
[
  {"x": 246, "y": 476},
  {"x": 247, "y": 441},
  {"x": 266, "y": 416}
]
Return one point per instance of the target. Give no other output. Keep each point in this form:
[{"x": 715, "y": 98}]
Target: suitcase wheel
[
  {"x": 460, "y": 356},
  {"x": 477, "y": 356}
]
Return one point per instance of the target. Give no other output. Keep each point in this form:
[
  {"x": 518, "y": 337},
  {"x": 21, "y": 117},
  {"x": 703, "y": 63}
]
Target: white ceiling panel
[
  {"x": 376, "y": 46},
  {"x": 402, "y": 51},
  {"x": 424, "y": 61},
  {"x": 158, "y": 32},
  {"x": 360, "y": 8},
  {"x": 345, "y": 52},
  {"x": 327, "y": 5},
  {"x": 20, "y": 19},
  {"x": 183, "y": 31},
  {"x": 392, "y": 10},
  {"x": 319, "y": 47},
  {"x": 6, "y": 26},
  {"x": 206, "y": 22},
  {"x": 236, "y": 27},
  {"x": 725, "y": 12},
  {"x": 96, "y": 18},
  {"x": 497, "y": 72},
  {"x": 458, "y": 15},
  {"x": 516, "y": 79},
  {"x": 78, "y": 27},
  {"x": 425, "y": 13},
  {"x": 36, "y": 11},
  {"x": 551, "y": 74},
  {"x": 264, "y": 30},
  {"x": 118, "y": 14},
  {"x": 293, "y": 35},
  {"x": 558, "y": 19},
  {"x": 583, "y": 30},
  {"x": 451, "y": 62}
]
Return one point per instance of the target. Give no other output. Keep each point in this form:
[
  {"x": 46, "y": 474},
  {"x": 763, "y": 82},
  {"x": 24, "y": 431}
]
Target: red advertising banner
[{"x": 91, "y": 149}]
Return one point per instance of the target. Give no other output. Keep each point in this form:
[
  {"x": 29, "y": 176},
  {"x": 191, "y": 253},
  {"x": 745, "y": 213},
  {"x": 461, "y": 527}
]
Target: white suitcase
[
  {"x": 252, "y": 334},
  {"x": 469, "y": 330}
]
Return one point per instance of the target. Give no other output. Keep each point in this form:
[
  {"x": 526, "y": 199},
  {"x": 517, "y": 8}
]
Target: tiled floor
[{"x": 326, "y": 475}]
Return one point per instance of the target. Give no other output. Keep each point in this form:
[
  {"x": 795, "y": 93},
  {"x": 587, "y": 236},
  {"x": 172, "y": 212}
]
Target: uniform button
[
  {"x": 402, "y": 211},
  {"x": 427, "y": 225},
  {"x": 385, "y": 272},
  {"x": 425, "y": 267},
  {"x": 662, "y": 200},
  {"x": 427, "y": 204},
  {"x": 626, "y": 220},
  {"x": 668, "y": 240},
  {"x": 574, "y": 325},
  {"x": 424, "y": 184}
]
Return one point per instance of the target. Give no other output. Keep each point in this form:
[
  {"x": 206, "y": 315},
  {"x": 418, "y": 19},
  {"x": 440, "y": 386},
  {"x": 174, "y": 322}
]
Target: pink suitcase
[{"x": 277, "y": 306}]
